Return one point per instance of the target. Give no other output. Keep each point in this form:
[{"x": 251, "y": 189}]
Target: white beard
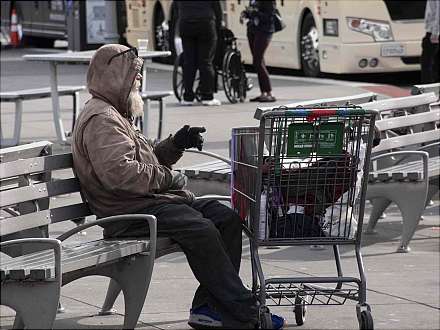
[{"x": 135, "y": 103}]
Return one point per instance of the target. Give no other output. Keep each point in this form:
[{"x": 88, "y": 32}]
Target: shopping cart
[{"x": 300, "y": 179}]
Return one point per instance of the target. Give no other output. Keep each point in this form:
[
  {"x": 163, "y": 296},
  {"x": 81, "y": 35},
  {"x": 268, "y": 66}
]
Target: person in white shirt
[{"x": 429, "y": 58}]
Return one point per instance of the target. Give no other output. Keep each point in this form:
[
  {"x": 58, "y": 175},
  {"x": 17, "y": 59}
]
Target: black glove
[
  {"x": 189, "y": 137},
  {"x": 178, "y": 181}
]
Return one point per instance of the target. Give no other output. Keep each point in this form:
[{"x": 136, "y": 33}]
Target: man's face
[{"x": 135, "y": 102}]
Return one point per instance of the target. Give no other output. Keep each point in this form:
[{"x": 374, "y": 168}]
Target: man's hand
[
  {"x": 189, "y": 137},
  {"x": 178, "y": 181}
]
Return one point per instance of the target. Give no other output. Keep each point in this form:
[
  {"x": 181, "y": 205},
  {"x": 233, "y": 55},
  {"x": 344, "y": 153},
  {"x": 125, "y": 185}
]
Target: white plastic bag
[{"x": 336, "y": 221}]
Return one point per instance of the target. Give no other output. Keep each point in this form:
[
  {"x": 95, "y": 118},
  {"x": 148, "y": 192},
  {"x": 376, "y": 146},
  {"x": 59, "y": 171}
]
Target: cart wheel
[
  {"x": 366, "y": 321},
  {"x": 300, "y": 310},
  {"x": 265, "y": 319},
  {"x": 232, "y": 76},
  {"x": 178, "y": 87}
]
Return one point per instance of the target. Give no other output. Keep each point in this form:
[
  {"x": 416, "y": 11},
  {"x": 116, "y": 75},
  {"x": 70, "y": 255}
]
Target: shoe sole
[
  {"x": 204, "y": 322},
  {"x": 199, "y": 326}
]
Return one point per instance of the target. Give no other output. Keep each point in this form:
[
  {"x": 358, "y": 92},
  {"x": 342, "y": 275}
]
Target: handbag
[{"x": 278, "y": 21}]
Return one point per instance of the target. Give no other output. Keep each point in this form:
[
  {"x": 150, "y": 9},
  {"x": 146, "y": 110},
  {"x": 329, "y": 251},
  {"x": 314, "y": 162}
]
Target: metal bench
[
  {"x": 31, "y": 94},
  {"x": 34, "y": 267},
  {"x": 405, "y": 166},
  {"x": 148, "y": 97},
  {"x": 426, "y": 88}
]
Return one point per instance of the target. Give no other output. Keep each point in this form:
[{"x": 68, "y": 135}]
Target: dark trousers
[
  {"x": 429, "y": 61},
  {"x": 258, "y": 43},
  {"x": 209, "y": 233},
  {"x": 199, "y": 41}
]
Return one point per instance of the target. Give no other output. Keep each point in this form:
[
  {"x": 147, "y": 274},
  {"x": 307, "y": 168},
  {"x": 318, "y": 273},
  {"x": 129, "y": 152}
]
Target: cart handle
[{"x": 314, "y": 113}]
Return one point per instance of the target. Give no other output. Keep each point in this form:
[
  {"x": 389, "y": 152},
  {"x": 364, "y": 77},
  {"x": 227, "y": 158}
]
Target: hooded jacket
[{"x": 119, "y": 170}]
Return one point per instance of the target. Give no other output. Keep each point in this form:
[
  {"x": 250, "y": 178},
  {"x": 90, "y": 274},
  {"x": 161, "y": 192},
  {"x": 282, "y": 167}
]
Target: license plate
[{"x": 392, "y": 50}]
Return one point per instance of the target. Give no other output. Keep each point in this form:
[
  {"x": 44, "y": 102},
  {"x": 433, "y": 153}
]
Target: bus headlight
[{"x": 379, "y": 30}]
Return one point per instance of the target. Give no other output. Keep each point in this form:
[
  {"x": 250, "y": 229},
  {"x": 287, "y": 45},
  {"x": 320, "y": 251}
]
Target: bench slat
[
  {"x": 41, "y": 190},
  {"x": 24, "y": 151},
  {"x": 407, "y": 140},
  {"x": 15, "y": 224},
  {"x": 406, "y": 121},
  {"x": 64, "y": 213},
  {"x": 12, "y": 225},
  {"x": 70, "y": 253},
  {"x": 155, "y": 95},
  {"x": 26, "y": 94},
  {"x": 35, "y": 165},
  {"x": 75, "y": 257},
  {"x": 399, "y": 103}
]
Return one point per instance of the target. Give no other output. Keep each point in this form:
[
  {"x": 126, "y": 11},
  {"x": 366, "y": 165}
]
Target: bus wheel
[{"x": 310, "y": 47}]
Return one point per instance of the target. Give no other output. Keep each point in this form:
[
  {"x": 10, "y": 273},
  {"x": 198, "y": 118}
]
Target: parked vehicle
[{"x": 320, "y": 36}]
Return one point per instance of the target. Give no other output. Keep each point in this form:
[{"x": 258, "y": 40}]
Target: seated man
[{"x": 122, "y": 172}]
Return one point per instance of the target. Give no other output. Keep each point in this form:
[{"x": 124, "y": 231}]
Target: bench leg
[
  {"x": 379, "y": 206},
  {"x": 432, "y": 190},
  {"x": 410, "y": 199},
  {"x": 134, "y": 277},
  {"x": 75, "y": 108},
  {"x": 17, "y": 123},
  {"x": 35, "y": 303},
  {"x": 112, "y": 293},
  {"x": 161, "y": 110},
  {"x": 412, "y": 209}
]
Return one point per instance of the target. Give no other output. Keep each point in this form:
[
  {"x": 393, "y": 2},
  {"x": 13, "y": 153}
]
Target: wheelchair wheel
[
  {"x": 178, "y": 87},
  {"x": 234, "y": 77}
]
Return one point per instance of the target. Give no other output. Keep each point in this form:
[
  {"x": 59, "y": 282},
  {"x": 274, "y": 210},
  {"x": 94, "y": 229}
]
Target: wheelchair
[{"x": 227, "y": 65}]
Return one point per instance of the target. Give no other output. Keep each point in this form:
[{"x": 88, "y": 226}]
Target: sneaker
[
  {"x": 204, "y": 317},
  {"x": 186, "y": 103},
  {"x": 267, "y": 98},
  {"x": 212, "y": 102},
  {"x": 255, "y": 99},
  {"x": 278, "y": 322}
]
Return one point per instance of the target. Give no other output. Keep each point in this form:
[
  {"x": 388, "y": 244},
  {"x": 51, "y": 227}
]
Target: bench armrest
[
  {"x": 151, "y": 219},
  {"x": 422, "y": 154},
  {"x": 217, "y": 197},
  {"x": 49, "y": 243},
  {"x": 432, "y": 148},
  {"x": 210, "y": 154}
]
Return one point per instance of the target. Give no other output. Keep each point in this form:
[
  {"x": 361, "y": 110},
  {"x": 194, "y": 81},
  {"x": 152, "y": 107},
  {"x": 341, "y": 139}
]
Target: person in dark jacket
[
  {"x": 199, "y": 23},
  {"x": 260, "y": 27},
  {"x": 429, "y": 58},
  {"x": 121, "y": 172}
]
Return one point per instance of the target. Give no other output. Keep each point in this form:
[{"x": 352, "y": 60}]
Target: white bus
[{"x": 332, "y": 36}]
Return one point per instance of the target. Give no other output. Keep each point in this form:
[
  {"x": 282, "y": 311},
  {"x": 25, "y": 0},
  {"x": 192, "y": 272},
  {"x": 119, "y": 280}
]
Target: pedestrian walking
[
  {"x": 122, "y": 172},
  {"x": 260, "y": 27},
  {"x": 199, "y": 23},
  {"x": 429, "y": 58}
]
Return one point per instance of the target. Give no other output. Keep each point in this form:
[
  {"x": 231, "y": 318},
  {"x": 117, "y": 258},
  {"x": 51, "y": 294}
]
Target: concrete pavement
[{"x": 403, "y": 289}]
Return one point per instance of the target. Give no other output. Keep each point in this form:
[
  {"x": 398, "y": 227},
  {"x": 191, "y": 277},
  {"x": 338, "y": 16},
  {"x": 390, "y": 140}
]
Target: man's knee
[
  {"x": 234, "y": 219},
  {"x": 205, "y": 228}
]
